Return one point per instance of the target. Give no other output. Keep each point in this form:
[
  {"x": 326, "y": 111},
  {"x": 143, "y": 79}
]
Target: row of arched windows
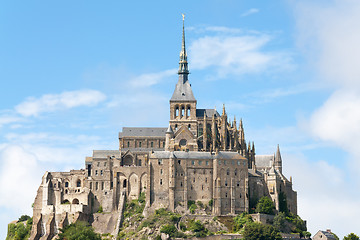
[{"x": 182, "y": 111}]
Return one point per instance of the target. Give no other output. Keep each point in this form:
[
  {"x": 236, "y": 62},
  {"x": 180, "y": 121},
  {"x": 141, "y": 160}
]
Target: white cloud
[
  {"x": 52, "y": 102},
  {"x": 325, "y": 199},
  {"x": 250, "y": 12},
  {"x": 150, "y": 79},
  {"x": 4, "y": 120},
  {"x": 20, "y": 176},
  {"x": 236, "y": 55}
]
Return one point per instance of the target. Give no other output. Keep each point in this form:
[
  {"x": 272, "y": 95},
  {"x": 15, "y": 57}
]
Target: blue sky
[{"x": 74, "y": 73}]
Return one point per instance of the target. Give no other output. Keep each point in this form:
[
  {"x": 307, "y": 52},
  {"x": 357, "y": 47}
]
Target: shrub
[
  {"x": 23, "y": 218},
  {"x": 169, "y": 229},
  {"x": 100, "y": 209},
  {"x": 200, "y": 204},
  {"x": 255, "y": 231},
  {"x": 351, "y": 236},
  {"x": 265, "y": 205},
  {"x": 211, "y": 202},
  {"x": 280, "y": 222},
  {"x": 241, "y": 220},
  {"x": 78, "y": 230}
]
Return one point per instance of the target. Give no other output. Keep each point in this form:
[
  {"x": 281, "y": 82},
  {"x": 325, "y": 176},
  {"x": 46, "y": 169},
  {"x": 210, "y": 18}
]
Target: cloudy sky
[{"x": 73, "y": 73}]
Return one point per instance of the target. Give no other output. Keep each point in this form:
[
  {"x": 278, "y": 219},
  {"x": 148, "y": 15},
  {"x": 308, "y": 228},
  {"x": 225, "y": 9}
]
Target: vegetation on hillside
[
  {"x": 79, "y": 231},
  {"x": 20, "y": 230}
]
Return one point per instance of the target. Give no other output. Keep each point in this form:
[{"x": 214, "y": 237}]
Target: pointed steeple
[
  {"x": 183, "y": 91},
  {"x": 183, "y": 64},
  {"x": 278, "y": 160}
]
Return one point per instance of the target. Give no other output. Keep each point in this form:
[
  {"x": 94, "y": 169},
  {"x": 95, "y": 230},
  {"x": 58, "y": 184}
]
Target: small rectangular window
[
  {"x": 128, "y": 144},
  {"x": 96, "y": 172},
  {"x": 139, "y": 144},
  {"x": 102, "y": 185},
  {"x": 207, "y": 163},
  {"x": 152, "y": 144},
  {"x": 160, "y": 181},
  {"x": 192, "y": 162},
  {"x": 101, "y": 172}
]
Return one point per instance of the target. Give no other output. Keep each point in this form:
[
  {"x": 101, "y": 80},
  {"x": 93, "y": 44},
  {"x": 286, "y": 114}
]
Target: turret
[{"x": 278, "y": 160}]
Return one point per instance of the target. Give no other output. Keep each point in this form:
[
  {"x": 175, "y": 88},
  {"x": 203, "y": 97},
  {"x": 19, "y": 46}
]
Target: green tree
[
  {"x": 265, "y": 205},
  {"x": 78, "y": 231},
  {"x": 280, "y": 222},
  {"x": 351, "y": 236},
  {"x": 283, "y": 203},
  {"x": 241, "y": 220},
  {"x": 169, "y": 229},
  {"x": 23, "y": 218},
  {"x": 256, "y": 231}
]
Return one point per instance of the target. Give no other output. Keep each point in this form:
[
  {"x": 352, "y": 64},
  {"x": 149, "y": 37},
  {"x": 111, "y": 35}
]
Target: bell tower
[{"x": 183, "y": 102}]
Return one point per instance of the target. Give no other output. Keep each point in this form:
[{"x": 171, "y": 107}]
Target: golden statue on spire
[{"x": 183, "y": 15}]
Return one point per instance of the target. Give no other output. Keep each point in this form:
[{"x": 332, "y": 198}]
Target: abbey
[{"x": 200, "y": 156}]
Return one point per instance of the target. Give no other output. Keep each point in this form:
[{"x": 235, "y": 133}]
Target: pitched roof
[
  {"x": 105, "y": 153},
  {"x": 183, "y": 91},
  {"x": 207, "y": 112},
  {"x": 263, "y": 161},
  {"x": 142, "y": 132}
]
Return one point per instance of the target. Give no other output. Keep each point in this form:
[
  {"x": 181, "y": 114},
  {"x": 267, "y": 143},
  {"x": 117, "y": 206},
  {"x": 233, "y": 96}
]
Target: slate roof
[
  {"x": 208, "y": 112},
  {"x": 142, "y": 132},
  {"x": 183, "y": 91},
  {"x": 263, "y": 161},
  {"x": 105, "y": 153},
  {"x": 328, "y": 235},
  {"x": 196, "y": 155}
]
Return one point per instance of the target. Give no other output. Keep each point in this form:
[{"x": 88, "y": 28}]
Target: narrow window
[
  {"x": 128, "y": 144},
  {"x": 177, "y": 112},
  {"x": 188, "y": 112},
  {"x": 207, "y": 163},
  {"x": 226, "y": 195},
  {"x": 111, "y": 185},
  {"x": 160, "y": 161},
  {"x": 200, "y": 162},
  {"x": 152, "y": 144},
  {"x": 226, "y": 183},
  {"x": 182, "y": 111},
  {"x": 228, "y": 172},
  {"x": 238, "y": 162},
  {"x": 238, "y": 184},
  {"x": 101, "y": 172},
  {"x": 161, "y": 171},
  {"x": 189, "y": 126},
  {"x": 202, "y": 187},
  {"x": 78, "y": 183},
  {"x": 181, "y": 184},
  {"x": 176, "y": 127},
  {"x": 102, "y": 185},
  {"x": 104, "y": 164},
  {"x": 206, "y": 180},
  {"x": 160, "y": 181},
  {"x": 66, "y": 184},
  {"x": 139, "y": 144},
  {"x": 140, "y": 162},
  {"x": 96, "y": 172},
  {"x": 235, "y": 172},
  {"x": 124, "y": 183},
  {"x": 179, "y": 161},
  {"x": 97, "y": 186},
  {"x": 98, "y": 164},
  {"x": 192, "y": 162},
  {"x": 90, "y": 185}
]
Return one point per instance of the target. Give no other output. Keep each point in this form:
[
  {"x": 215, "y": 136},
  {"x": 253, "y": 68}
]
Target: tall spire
[
  {"x": 183, "y": 64},
  {"x": 183, "y": 91}
]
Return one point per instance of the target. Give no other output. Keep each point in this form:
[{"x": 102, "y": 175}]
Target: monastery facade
[{"x": 200, "y": 156}]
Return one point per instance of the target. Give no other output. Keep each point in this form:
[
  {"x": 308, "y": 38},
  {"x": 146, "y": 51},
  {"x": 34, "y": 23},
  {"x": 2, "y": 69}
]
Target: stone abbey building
[{"x": 200, "y": 156}]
